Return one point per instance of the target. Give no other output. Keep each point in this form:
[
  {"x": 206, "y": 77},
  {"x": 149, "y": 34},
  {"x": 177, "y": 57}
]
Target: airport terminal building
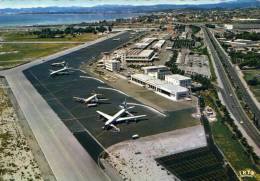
[{"x": 161, "y": 87}]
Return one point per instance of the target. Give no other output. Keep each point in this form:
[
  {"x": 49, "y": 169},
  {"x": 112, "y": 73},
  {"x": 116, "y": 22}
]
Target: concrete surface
[{"x": 135, "y": 159}]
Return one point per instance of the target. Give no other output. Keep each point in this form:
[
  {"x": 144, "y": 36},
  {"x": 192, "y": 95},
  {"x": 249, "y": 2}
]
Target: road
[
  {"x": 65, "y": 155},
  {"x": 236, "y": 79},
  {"x": 231, "y": 100}
]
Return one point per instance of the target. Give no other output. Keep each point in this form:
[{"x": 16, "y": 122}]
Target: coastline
[{"x": 68, "y": 19}]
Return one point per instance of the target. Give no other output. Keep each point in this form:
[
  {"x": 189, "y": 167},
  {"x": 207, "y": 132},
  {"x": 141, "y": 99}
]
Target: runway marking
[
  {"x": 83, "y": 117},
  {"x": 148, "y": 107},
  {"x": 80, "y": 124},
  {"x": 119, "y": 91},
  {"x": 87, "y": 77},
  {"x": 59, "y": 83}
]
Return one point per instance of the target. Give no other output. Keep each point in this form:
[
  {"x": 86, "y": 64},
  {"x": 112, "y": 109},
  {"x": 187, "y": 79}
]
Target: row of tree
[
  {"x": 237, "y": 134},
  {"x": 250, "y": 59},
  {"x": 249, "y": 36},
  {"x": 70, "y": 30}
]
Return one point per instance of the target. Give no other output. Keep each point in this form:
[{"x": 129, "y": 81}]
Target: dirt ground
[{"x": 16, "y": 159}]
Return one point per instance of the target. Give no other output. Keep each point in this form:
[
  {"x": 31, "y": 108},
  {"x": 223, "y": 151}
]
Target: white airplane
[
  {"x": 62, "y": 71},
  {"x": 90, "y": 101},
  {"x": 116, "y": 118},
  {"x": 59, "y": 64}
]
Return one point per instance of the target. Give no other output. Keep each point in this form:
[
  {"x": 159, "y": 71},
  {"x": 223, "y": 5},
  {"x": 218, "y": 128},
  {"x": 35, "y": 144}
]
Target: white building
[
  {"x": 159, "y": 44},
  {"x": 145, "y": 43},
  {"x": 113, "y": 65},
  {"x": 229, "y": 26},
  {"x": 158, "y": 71},
  {"x": 179, "y": 80},
  {"x": 139, "y": 56},
  {"x": 163, "y": 88}
]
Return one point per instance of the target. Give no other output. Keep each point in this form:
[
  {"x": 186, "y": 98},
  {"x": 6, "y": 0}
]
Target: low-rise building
[
  {"x": 161, "y": 87},
  {"x": 135, "y": 56},
  {"x": 179, "y": 80},
  {"x": 158, "y": 71},
  {"x": 145, "y": 43},
  {"x": 159, "y": 44},
  {"x": 113, "y": 65}
]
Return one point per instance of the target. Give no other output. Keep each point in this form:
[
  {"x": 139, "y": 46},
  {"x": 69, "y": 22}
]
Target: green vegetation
[
  {"x": 195, "y": 29},
  {"x": 178, "y": 44},
  {"x": 253, "y": 79},
  {"x": 195, "y": 165},
  {"x": 53, "y": 33},
  {"x": 228, "y": 137},
  {"x": 251, "y": 59},
  {"x": 230, "y": 146},
  {"x": 172, "y": 64},
  {"x": 249, "y": 36},
  {"x": 29, "y": 36},
  {"x": 15, "y": 54}
]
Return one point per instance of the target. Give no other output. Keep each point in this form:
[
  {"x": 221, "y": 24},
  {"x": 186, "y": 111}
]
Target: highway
[
  {"x": 230, "y": 97},
  {"x": 66, "y": 157},
  {"x": 233, "y": 74}
]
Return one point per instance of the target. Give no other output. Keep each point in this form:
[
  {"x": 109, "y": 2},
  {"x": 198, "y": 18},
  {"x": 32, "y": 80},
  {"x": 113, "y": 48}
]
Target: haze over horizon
[{"x": 91, "y": 3}]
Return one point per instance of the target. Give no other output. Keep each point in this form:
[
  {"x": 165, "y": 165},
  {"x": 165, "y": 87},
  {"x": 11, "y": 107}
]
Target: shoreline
[{"x": 32, "y": 25}]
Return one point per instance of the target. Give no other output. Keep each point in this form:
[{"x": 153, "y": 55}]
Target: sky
[{"x": 89, "y": 3}]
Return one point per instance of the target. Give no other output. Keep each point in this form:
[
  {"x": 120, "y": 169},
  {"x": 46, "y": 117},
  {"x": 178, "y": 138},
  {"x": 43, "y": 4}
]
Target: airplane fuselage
[{"x": 115, "y": 117}]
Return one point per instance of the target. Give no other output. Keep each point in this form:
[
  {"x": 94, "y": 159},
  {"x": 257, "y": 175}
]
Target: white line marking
[
  {"x": 86, "y": 77},
  {"x": 119, "y": 91},
  {"x": 148, "y": 107}
]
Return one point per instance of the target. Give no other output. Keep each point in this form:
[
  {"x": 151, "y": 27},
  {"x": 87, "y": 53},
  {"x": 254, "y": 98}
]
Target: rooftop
[
  {"x": 145, "y": 53},
  {"x": 177, "y": 77},
  {"x": 172, "y": 88},
  {"x": 142, "y": 77},
  {"x": 154, "y": 67}
]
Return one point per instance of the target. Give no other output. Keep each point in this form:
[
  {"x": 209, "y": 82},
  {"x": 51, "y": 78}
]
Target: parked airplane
[
  {"x": 59, "y": 64},
  {"x": 62, "y": 71},
  {"x": 90, "y": 101},
  {"x": 116, "y": 118}
]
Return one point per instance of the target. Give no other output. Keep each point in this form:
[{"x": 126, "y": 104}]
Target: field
[
  {"x": 195, "y": 165},
  {"x": 15, "y": 54},
  {"x": 24, "y": 36},
  {"x": 231, "y": 148},
  {"x": 249, "y": 74}
]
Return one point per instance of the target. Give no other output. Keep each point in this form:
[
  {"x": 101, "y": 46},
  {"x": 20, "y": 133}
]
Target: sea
[{"x": 13, "y": 20}]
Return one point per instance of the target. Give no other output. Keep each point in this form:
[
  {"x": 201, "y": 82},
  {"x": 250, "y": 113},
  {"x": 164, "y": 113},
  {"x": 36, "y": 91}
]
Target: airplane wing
[
  {"x": 104, "y": 115},
  {"x": 129, "y": 118}
]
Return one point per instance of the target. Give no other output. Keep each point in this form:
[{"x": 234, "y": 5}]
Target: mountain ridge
[{"x": 132, "y": 8}]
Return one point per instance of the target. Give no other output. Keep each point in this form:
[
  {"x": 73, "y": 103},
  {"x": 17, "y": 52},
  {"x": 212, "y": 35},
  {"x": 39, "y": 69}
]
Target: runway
[{"x": 66, "y": 157}]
